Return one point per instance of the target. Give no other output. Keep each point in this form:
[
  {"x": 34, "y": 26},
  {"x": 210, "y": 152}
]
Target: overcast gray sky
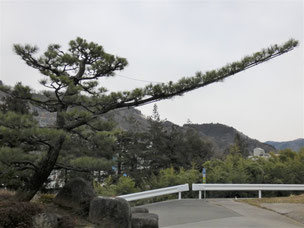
[{"x": 166, "y": 40}]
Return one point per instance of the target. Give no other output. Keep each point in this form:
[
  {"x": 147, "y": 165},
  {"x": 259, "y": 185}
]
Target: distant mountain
[
  {"x": 223, "y": 137},
  {"x": 220, "y": 135},
  {"x": 295, "y": 145}
]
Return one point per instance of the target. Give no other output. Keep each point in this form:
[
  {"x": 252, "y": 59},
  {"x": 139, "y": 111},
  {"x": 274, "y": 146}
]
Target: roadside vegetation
[
  {"x": 286, "y": 167},
  {"x": 289, "y": 199}
]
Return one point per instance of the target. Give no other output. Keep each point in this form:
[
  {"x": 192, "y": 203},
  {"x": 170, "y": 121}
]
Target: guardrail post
[
  {"x": 260, "y": 194},
  {"x": 179, "y": 195},
  {"x": 199, "y": 194}
]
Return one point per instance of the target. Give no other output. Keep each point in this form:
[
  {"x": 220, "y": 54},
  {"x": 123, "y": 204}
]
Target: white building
[{"x": 258, "y": 152}]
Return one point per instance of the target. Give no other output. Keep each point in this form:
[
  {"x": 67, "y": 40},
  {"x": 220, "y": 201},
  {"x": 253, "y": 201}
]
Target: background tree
[
  {"x": 130, "y": 153},
  {"x": 13, "y": 104},
  {"x": 240, "y": 142},
  {"x": 158, "y": 150},
  {"x": 196, "y": 151},
  {"x": 72, "y": 80},
  {"x": 173, "y": 147}
]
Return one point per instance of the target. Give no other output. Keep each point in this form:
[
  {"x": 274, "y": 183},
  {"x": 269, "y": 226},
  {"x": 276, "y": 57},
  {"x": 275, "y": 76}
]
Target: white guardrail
[
  {"x": 157, "y": 192},
  {"x": 246, "y": 187}
]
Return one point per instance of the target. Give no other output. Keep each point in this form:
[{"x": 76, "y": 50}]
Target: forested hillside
[{"x": 223, "y": 136}]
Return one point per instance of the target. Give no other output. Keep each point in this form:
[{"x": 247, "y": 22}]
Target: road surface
[{"x": 194, "y": 213}]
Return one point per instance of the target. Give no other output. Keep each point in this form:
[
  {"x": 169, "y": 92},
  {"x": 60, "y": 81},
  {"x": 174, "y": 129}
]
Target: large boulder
[
  {"x": 110, "y": 212},
  {"x": 139, "y": 210},
  {"x": 144, "y": 220},
  {"x": 77, "y": 195}
]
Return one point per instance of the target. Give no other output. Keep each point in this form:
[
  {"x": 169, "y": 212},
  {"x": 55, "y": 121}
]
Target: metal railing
[
  {"x": 212, "y": 187},
  {"x": 157, "y": 192},
  {"x": 246, "y": 187}
]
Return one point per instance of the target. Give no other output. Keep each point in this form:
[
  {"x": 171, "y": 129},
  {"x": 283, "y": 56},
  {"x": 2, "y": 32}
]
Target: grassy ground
[{"x": 290, "y": 199}]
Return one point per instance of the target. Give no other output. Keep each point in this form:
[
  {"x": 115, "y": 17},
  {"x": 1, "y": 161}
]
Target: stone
[
  {"x": 46, "y": 220},
  {"x": 110, "y": 212},
  {"x": 139, "y": 210},
  {"x": 144, "y": 220},
  {"x": 76, "y": 195}
]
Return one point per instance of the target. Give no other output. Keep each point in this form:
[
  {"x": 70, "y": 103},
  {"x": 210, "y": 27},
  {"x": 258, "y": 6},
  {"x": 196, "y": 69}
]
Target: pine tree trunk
[{"x": 45, "y": 167}]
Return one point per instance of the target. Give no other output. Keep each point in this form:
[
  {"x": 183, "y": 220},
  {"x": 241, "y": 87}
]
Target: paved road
[{"x": 192, "y": 213}]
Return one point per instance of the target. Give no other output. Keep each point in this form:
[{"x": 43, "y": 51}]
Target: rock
[
  {"x": 77, "y": 195},
  {"x": 110, "y": 212},
  {"x": 144, "y": 220},
  {"x": 46, "y": 220},
  {"x": 139, "y": 210}
]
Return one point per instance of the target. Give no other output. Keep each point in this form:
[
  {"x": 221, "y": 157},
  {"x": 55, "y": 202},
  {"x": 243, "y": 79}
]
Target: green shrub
[
  {"x": 108, "y": 188},
  {"x": 18, "y": 214},
  {"x": 124, "y": 185},
  {"x": 170, "y": 177}
]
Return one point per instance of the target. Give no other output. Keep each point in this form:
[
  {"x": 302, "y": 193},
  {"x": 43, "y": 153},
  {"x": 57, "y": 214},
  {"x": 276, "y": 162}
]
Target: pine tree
[{"x": 72, "y": 80}]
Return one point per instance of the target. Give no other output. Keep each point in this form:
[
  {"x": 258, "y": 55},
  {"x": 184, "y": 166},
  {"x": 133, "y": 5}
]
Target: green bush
[
  {"x": 169, "y": 177},
  {"x": 18, "y": 214},
  {"x": 124, "y": 185},
  {"x": 108, "y": 188}
]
